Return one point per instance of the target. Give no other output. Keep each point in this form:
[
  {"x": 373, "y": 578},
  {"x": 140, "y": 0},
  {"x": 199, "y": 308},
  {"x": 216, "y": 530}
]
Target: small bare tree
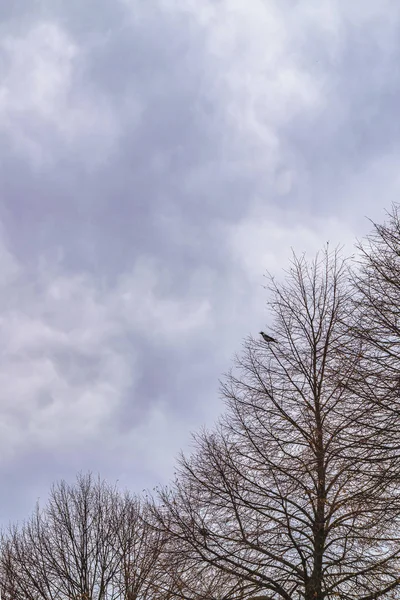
[
  {"x": 88, "y": 542},
  {"x": 285, "y": 495},
  {"x": 68, "y": 548}
]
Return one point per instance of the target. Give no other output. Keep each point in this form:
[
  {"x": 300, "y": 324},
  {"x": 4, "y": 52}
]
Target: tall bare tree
[
  {"x": 285, "y": 494},
  {"x": 376, "y": 320}
]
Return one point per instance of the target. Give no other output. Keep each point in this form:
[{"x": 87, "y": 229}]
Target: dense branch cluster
[{"x": 294, "y": 494}]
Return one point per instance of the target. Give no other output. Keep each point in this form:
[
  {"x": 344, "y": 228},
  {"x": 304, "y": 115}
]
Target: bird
[{"x": 268, "y": 338}]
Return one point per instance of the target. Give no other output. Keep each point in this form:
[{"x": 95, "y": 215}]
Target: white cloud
[
  {"x": 42, "y": 104},
  {"x": 162, "y": 319},
  {"x": 255, "y": 73},
  {"x": 9, "y": 267},
  {"x": 373, "y": 187},
  {"x": 264, "y": 240},
  {"x": 69, "y": 353}
]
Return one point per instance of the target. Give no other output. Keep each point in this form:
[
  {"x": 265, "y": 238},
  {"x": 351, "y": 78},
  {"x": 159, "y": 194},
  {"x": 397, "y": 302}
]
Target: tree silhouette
[{"x": 285, "y": 494}]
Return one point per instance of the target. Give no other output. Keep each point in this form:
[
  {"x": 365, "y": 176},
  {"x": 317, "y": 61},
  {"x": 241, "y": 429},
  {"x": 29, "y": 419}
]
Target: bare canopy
[{"x": 284, "y": 494}]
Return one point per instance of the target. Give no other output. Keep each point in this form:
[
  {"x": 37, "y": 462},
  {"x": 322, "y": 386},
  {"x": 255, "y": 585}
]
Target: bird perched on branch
[{"x": 268, "y": 338}]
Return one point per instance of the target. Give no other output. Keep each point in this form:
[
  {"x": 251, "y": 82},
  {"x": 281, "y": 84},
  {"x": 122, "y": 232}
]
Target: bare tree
[
  {"x": 142, "y": 574},
  {"x": 88, "y": 542},
  {"x": 180, "y": 578},
  {"x": 67, "y": 549},
  {"x": 376, "y": 319},
  {"x": 286, "y": 495}
]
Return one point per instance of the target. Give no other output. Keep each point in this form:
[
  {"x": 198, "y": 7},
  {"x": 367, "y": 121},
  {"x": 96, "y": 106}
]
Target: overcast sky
[{"x": 157, "y": 157}]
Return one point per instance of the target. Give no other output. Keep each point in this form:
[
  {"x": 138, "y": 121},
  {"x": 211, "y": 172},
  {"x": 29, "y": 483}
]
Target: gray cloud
[{"x": 156, "y": 159}]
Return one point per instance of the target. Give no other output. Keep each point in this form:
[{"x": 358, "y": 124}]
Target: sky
[{"x": 157, "y": 158}]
